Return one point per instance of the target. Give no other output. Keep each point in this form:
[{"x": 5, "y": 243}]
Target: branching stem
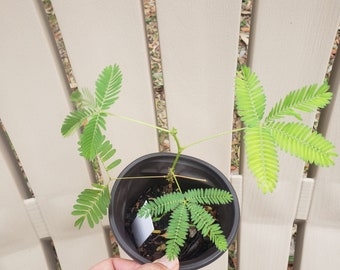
[{"x": 180, "y": 148}]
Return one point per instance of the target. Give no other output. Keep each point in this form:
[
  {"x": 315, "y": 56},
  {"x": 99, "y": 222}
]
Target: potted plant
[
  {"x": 180, "y": 238},
  {"x": 191, "y": 203}
]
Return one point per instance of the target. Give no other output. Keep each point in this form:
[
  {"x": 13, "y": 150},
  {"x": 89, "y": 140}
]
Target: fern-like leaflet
[
  {"x": 161, "y": 205},
  {"x": 299, "y": 140},
  {"x": 181, "y": 204},
  {"x": 250, "y": 98},
  {"x": 92, "y": 138},
  {"x": 177, "y": 231},
  {"x": 208, "y": 196},
  {"x": 307, "y": 99},
  {"x": 105, "y": 153},
  {"x": 262, "y": 157},
  {"x": 205, "y": 223},
  {"x": 108, "y": 87},
  {"x": 91, "y": 205}
]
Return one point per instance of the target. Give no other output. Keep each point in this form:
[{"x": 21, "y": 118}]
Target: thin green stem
[
  {"x": 139, "y": 177},
  {"x": 157, "y": 177},
  {"x": 173, "y": 176},
  {"x": 191, "y": 178},
  {"x": 212, "y": 137},
  {"x": 180, "y": 149},
  {"x": 141, "y": 122}
]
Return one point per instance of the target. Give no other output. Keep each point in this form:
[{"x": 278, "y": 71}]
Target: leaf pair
[
  {"x": 188, "y": 206},
  {"x": 264, "y": 134}
]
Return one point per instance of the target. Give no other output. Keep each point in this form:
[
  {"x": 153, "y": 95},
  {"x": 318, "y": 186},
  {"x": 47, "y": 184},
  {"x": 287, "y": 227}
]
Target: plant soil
[{"x": 154, "y": 246}]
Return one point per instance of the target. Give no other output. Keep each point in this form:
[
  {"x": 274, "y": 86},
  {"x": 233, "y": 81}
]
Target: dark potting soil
[{"x": 154, "y": 246}]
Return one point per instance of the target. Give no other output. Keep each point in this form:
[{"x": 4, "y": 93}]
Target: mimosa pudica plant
[{"x": 263, "y": 135}]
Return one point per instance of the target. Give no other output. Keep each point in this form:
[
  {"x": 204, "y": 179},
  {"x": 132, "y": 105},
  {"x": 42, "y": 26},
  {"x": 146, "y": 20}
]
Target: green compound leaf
[
  {"x": 250, "y": 97},
  {"x": 181, "y": 205},
  {"x": 84, "y": 99},
  {"x": 208, "y": 196},
  {"x": 92, "y": 205},
  {"x": 106, "y": 152},
  {"x": 299, "y": 140},
  {"x": 92, "y": 110},
  {"x": 307, "y": 99},
  {"x": 88, "y": 100},
  {"x": 91, "y": 139},
  {"x": 76, "y": 97},
  {"x": 262, "y": 157},
  {"x": 161, "y": 205},
  {"x": 205, "y": 223},
  {"x": 177, "y": 231},
  {"x": 108, "y": 87},
  {"x": 87, "y": 108},
  {"x": 113, "y": 164},
  {"x": 75, "y": 120}
]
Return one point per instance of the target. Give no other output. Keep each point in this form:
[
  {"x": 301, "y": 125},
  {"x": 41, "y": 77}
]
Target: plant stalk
[
  {"x": 180, "y": 148},
  {"x": 141, "y": 123}
]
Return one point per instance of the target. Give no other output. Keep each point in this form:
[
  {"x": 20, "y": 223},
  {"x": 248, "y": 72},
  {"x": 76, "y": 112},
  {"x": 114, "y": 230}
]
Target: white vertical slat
[
  {"x": 289, "y": 47},
  {"x": 97, "y": 34},
  {"x": 305, "y": 198},
  {"x": 36, "y": 217},
  {"x": 20, "y": 246},
  {"x": 321, "y": 245},
  {"x": 33, "y": 105},
  {"x": 101, "y": 33},
  {"x": 199, "y": 42},
  {"x": 237, "y": 183}
]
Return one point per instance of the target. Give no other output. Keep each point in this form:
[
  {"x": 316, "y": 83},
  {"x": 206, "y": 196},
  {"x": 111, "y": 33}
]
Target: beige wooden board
[
  {"x": 101, "y": 33},
  {"x": 289, "y": 47},
  {"x": 321, "y": 244},
  {"x": 33, "y": 105},
  {"x": 305, "y": 197},
  {"x": 20, "y": 247},
  {"x": 113, "y": 33},
  {"x": 320, "y": 248},
  {"x": 199, "y": 55}
]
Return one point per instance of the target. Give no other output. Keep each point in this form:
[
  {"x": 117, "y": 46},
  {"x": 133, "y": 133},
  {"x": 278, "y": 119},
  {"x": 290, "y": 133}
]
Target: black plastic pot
[{"x": 126, "y": 192}]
